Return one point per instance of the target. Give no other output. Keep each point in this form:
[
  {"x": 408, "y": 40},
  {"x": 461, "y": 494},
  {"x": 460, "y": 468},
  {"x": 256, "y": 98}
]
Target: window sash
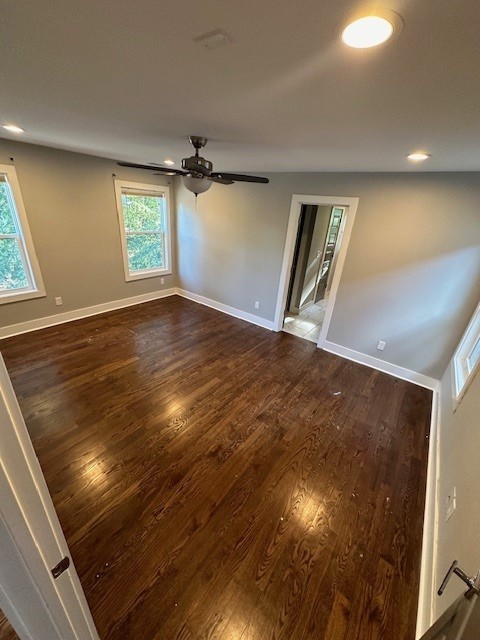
[
  {"x": 466, "y": 361},
  {"x": 16, "y": 205},
  {"x": 473, "y": 356},
  {"x": 163, "y": 247},
  {"x": 123, "y": 188}
]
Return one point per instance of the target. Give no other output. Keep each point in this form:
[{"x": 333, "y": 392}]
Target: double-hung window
[
  {"x": 20, "y": 276},
  {"x": 466, "y": 360},
  {"x": 144, "y": 216}
]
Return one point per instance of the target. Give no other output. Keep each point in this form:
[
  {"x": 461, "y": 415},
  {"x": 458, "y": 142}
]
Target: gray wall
[
  {"x": 71, "y": 209},
  {"x": 459, "y": 434},
  {"x": 412, "y": 274}
]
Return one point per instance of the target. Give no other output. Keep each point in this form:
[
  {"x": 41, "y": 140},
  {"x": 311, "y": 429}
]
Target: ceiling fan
[{"x": 197, "y": 172}]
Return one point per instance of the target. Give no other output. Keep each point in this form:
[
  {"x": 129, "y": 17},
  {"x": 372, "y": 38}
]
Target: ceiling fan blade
[
  {"x": 194, "y": 167},
  {"x": 239, "y": 177},
  {"x": 220, "y": 180},
  {"x": 153, "y": 167}
]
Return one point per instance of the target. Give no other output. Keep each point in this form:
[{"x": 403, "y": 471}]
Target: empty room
[{"x": 239, "y": 320}]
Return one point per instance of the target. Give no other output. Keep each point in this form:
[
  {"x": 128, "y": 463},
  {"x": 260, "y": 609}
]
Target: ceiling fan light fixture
[
  {"x": 196, "y": 185},
  {"x": 370, "y": 31}
]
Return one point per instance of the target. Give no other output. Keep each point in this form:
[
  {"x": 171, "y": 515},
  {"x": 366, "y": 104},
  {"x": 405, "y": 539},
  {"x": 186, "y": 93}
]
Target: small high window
[
  {"x": 144, "y": 216},
  {"x": 466, "y": 360},
  {"x": 20, "y": 276}
]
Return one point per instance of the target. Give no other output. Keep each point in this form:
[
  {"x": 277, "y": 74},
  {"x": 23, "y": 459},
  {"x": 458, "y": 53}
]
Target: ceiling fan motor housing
[{"x": 189, "y": 163}]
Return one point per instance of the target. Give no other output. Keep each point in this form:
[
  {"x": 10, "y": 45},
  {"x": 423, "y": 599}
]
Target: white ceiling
[{"x": 125, "y": 80}]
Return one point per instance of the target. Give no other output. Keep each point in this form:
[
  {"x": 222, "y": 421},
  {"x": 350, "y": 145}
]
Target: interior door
[
  {"x": 461, "y": 621},
  {"x": 40, "y": 592},
  {"x": 328, "y": 259}
]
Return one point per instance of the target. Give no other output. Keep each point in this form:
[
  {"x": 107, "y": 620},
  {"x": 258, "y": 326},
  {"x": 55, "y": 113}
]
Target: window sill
[
  {"x": 22, "y": 295},
  {"x": 140, "y": 275}
]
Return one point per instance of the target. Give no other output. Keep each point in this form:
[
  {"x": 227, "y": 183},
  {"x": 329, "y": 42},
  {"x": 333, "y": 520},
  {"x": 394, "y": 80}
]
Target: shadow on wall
[{"x": 458, "y": 285}]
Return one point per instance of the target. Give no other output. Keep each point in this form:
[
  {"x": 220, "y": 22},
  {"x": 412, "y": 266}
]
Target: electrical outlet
[
  {"x": 451, "y": 503},
  {"x": 381, "y": 345},
  {"x": 257, "y": 304},
  {"x": 58, "y": 301},
  {"x": 162, "y": 280}
]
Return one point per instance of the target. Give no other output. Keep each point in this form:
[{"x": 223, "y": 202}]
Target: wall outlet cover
[
  {"x": 257, "y": 304},
  {"x": 381, "y": 345},
  {"x": 58, "y": 301}
]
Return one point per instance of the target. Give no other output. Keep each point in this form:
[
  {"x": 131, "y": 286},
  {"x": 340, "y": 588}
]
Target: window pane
[
  {"x": 143, "y": 213},
  {"x": 12, "y": 272},
  {"x": 145, "y": 251},
  {"x": 474, "y": 356},
  {"x": 7, "y": 223}
]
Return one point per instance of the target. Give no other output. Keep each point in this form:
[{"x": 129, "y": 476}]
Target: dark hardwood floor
[{"x": 219, "y": 481}]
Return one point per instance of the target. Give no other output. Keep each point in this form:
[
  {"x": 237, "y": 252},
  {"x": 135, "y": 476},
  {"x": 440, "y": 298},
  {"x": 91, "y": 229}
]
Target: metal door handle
[{"x": 458, "y": 571}]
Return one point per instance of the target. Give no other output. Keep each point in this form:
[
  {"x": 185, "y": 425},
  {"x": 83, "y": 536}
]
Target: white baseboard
[
  {"x": 231, "y": 311},
  {"x": 77, "y": 314},
  {"x": 381, "y": 365},
  {"x": 428, "y": 586}
]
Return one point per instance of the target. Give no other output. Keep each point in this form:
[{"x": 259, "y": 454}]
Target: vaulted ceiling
[{"x": 126, "y": 80}]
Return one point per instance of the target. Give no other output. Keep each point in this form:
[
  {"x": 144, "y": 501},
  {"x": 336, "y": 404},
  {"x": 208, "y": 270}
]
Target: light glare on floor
[
  {"x": 369, "y": 31},
  {"x": 169, "y": 162}
]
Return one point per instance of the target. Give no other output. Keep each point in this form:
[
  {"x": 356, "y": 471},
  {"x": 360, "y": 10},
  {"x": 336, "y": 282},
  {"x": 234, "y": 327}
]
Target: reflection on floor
[{"x": 307, "y": 323}]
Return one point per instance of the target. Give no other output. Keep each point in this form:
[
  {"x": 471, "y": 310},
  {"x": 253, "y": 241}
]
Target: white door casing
[
  {"x": 298, "y": 200},
  {"x": 32, "y": 541}
]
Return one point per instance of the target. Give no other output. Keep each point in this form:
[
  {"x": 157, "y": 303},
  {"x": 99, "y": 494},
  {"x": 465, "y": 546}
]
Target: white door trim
[
  {"x": 344, "y": 238},
  {"x": 32, "y": 541}
]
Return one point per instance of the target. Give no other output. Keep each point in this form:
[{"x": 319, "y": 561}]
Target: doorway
[
  {"x": 316, "y": 246},
  {"x": 318, "y": 234}
]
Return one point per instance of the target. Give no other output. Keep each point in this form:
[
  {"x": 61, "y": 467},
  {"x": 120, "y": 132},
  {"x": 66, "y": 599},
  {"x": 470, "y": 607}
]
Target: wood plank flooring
[{"x": 217, "y": 481}]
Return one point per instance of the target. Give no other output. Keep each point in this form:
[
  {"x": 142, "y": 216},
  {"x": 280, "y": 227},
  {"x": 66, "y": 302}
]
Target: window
[
  {"x": 144, "y": 216},
  {"x": 20, "y": 276},
  {"x": 467, "y": 357}
]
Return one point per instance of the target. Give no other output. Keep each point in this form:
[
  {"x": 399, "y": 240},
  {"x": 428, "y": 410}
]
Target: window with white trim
[
  {"x": 144, "y": 217},
  {"x": 466, "y": 360},
  {"x": 20, "y": 276}
]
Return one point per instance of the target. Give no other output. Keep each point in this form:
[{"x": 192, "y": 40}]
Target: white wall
[
  {"x": 459, "y": 463},
  {"x": 412, "y": 274},
  {"x": 70, "y": 204}
]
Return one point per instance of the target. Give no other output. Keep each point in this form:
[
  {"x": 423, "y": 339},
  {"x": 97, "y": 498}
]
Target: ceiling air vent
[{"x": 214, "y": 39}]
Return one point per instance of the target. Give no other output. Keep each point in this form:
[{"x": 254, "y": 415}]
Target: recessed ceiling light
[
  {"x": 418, "y": 156},
  {"x": 371, "y": 31},
  {"x": 169, "y": 162},
  {"x": 13, "y": 128}
]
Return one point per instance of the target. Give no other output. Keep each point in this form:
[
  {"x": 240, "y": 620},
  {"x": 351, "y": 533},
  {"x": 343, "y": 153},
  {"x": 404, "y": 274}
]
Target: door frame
[
  {"x": 32, "y": 542},
  {"x": 298, "y": 200}
]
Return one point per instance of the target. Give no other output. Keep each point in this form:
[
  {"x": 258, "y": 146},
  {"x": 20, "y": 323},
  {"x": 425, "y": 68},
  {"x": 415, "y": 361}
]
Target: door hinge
[{"x": 61, "y": 567}]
